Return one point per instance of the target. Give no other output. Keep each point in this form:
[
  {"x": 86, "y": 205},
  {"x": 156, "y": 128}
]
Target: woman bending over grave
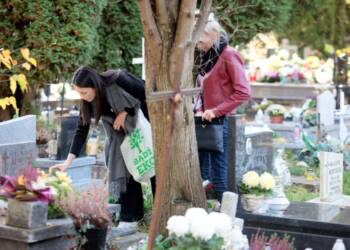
[
  {"x": 115, "y": 97},
  {"x": 222, "y": 78}
]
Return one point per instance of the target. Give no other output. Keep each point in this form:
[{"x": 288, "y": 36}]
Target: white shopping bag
[{"x": 137, "y": 150}]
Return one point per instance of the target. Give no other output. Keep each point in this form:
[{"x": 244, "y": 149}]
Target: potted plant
[
  {"x": 276, "y": 113},
  {"x": 28, "y": 197},
  {"x": 90, "y": 214},
  {"x": 254, "y": 188}
]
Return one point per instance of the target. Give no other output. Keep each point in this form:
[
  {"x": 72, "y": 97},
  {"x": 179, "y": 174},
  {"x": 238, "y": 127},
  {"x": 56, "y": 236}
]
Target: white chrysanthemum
[
  {"x": 251, "y": 179},
  {"x": 201, "y": 227},
  {"x": 178, "y": 225},
  {"x": 267, "y": 181},
  {"x": 221, "y": 223},
  {"x": 194, "y": 212}
]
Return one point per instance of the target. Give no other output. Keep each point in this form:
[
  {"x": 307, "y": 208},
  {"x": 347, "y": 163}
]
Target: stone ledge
[
  {"x": 122, "y": 243},
  {"x": 54, "y": 229}
]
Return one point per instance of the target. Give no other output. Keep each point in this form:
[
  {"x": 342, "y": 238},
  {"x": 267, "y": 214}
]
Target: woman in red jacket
[{"x": 224, "y": 84}]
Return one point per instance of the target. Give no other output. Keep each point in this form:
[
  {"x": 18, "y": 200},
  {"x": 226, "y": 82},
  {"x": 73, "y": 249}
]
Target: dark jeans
[
  {"x": 131, "y": 201},
  {"x": 214, "y": 166}
]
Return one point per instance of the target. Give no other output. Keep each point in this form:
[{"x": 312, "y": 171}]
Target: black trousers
[{"x": 131, "y": 201}]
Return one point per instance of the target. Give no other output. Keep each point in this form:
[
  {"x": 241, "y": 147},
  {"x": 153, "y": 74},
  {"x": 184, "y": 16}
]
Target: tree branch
[
  {"x": 163, "y": 15},
  {"x": 151, "y": 32},
  {"x": 202, "y": 19},
  {"x": 182, "y": 41}
]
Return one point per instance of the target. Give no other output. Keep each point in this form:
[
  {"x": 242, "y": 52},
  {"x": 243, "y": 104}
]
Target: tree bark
[{"x": 169, "y": 30}]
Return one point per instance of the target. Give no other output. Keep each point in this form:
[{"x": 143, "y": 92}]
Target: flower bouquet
[
  {"x": 254, "y": 188},
  {"x": 28, "y": 196},
  {"x": 200, "y": 230}
]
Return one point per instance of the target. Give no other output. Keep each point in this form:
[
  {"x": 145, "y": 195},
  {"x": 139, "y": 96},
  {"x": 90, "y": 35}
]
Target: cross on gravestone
[
  {"x": 331, "y": 176},
  {"x": 326, "y": 108},
  {"x": 141, "y": 60}
]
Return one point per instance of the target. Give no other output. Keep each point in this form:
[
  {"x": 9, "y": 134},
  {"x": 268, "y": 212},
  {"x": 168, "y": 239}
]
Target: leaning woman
[
  {"x": 224, "y": 85},
  {"x": 113, "y": 97}
]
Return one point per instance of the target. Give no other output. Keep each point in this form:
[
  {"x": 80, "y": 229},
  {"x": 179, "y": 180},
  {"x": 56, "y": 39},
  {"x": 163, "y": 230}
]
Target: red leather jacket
[{"x": 225, "y": 86}]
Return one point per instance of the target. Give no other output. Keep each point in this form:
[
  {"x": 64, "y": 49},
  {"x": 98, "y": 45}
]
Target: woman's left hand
[
  {"x": 208, "y": 115},
  {"x": 119, "y": 121}
]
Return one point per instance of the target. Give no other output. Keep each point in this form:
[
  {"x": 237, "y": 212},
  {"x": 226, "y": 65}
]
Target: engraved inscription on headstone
[{"x": 331, "y": 176}]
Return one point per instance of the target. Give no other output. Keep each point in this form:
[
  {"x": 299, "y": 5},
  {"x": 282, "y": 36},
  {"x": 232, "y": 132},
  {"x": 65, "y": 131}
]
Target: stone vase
[
  {"x": 252, "y": 203},
  {"x": 25, "y": 214}
]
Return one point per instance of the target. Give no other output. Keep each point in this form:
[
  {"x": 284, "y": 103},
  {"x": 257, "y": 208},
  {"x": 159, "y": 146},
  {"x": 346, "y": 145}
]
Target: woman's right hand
[{"x": 61, "y": 167}]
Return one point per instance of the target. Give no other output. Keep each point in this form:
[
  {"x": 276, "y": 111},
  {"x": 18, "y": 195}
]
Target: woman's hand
[
  {"x": 208, "y": 115},
  {"x": 119, "y": 121},
  {"x": 63, "y": 166},
  {"x": 60, "y": 167}
]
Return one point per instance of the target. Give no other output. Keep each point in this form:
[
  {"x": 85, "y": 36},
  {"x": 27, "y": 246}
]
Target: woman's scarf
[{"x": 208, "y": 59}]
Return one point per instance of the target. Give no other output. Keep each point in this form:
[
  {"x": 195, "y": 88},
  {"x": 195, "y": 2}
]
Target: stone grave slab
[
  {"x": 22, "y": 129},
  {"x": 253, "y": 151},
  {"x": 66, "y": 129},
  {"x": 331, "y": 176},
  {"x": 17, "y": 144},
  {"x": 307, "y": 223},
  {"x": 326, "y": 108},
  {"x": 123, "y": 243},
  {"x": 80, "y": 171},
  {"x": 54, "y": 236}
]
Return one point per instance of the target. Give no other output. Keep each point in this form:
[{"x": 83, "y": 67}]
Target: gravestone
[
  {"x": 304, "y": 222},
  {"x": 326, "y": 108},
  {"x": 331, "y": 181},
  {"x": 66, "y": 131},
  {"x": 80, "y": 170},
  {"x": 247, "y": 151},
  {"x": 331, "y": 176},
  {"x": 17, "y": 144}
]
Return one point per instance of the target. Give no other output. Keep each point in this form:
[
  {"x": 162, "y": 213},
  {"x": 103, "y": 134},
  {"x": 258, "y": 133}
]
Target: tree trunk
[{"x": 169, "y": 44}]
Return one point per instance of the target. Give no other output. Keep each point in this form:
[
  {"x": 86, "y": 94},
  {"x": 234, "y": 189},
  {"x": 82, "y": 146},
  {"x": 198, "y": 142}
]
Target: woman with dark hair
[{"x": 114, "y": 97}]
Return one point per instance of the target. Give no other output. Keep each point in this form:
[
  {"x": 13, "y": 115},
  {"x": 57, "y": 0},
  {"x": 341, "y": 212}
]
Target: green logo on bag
[
  {"x": 136, "y": 139},
  {"x": 144, "y": 161}
]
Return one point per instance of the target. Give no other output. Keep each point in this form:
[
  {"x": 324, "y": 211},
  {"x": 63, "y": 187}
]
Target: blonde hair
[{"x": 213, "y": 25}]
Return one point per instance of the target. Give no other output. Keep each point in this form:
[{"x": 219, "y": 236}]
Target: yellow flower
[
  {"x": 65, "y": 185},
  {"x": 21, "y": 180},
  {"x": 251, "y": 179},
  {"x": 267, "y": 181},
  {"x": 63, "y": 177}
]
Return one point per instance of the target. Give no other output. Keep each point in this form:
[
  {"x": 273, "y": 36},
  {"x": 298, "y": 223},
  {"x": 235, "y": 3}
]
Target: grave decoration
[
  {"x": 276, "y": 113},
  {"x": 89, "y": 211},
  {"x": 200, "y": 230},
  {"x": 285, "y": 67},
  {"x": 254, "y": 188},
  {"x": 28, "y": 196}
]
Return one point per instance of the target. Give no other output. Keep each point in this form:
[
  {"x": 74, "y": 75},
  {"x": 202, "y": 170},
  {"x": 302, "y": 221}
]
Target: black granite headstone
[
  {"x": 66, "y": 130},
  {"x": 312, "y": 225},
  {"x": 247, "y": 152}
]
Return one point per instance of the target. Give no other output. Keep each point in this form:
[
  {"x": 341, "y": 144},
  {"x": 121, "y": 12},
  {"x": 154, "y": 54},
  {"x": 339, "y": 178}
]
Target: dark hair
[{"x": 86, "y": 77}]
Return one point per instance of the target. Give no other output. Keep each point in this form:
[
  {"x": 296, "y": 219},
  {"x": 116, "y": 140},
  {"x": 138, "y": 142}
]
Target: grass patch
[
  {"x": 299, "y": 193},
  {"x": 346, "y": 186},
  {"x": 297, "y": 171}
]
